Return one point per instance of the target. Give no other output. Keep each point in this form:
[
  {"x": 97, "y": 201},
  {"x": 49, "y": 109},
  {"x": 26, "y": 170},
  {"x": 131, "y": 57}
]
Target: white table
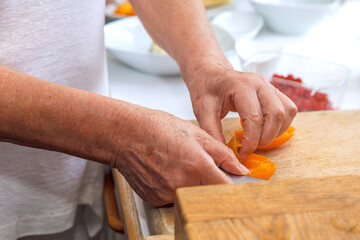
[{"x": 336, "y": 39}]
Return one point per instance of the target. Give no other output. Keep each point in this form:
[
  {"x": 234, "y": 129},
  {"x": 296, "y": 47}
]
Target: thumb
[{"x": 225, "y": 158}]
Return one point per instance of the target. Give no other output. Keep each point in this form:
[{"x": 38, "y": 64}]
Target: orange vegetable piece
[
  {"x": 290, "y": 129},
  {"x": 276, "y": 142},
  {"x": 125, "y": 9},
  {"x": 259, "y": 166},
  {"x": 235, "y": 145}
]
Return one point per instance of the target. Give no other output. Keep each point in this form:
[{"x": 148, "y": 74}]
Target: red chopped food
[{"x": 305, "y": 99}]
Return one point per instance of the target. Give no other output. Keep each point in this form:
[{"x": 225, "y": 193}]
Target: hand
[
  {"x": 216, "y": 89},
  {"x": 162, "y": 153}
]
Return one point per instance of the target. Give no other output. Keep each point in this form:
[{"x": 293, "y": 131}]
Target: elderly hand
[
  {"x": 216, "y": 89},
  {"x": 161, "y": 153}
]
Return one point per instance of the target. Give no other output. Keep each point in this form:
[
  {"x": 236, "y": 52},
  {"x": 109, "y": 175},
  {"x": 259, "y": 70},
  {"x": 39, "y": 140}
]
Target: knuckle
[
  {"x": 248, "y": 145},
  {"x": 228, "y": 154},
  {"x": 257, "y": 78},
  {"x": 262, "y": 78},
  {"x": 292, "y": 111},
  {"x": 257, "y": 118},
  {"x": 202, "y": 138},
  {"x": 279, "y": 115}
]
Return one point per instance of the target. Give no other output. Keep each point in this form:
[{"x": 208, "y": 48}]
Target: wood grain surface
[
  {"x": 161, "y": 237},
  {"x": 128, "y": 211},
  {"x": 325, "y": 144},
  {"x": 313, "y": 208}
]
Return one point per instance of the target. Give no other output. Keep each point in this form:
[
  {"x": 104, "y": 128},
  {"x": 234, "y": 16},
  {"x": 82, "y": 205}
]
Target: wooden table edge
[{"x": 128, "y": 209}]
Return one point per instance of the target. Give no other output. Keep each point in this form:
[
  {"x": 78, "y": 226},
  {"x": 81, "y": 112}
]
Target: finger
[
  {"x": 248, "y": 106},
  {"x": 210, "y": 121},
  {"x": 206, "y": 171},
  {"x": 225, "y": 158},
  {"x": 213, "y": 175},
  {"x": 290, "y": 111},
  {"x": 273, "y": 111}
]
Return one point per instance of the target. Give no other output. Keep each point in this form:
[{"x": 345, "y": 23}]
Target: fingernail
[{"x": 243, "y": 169}]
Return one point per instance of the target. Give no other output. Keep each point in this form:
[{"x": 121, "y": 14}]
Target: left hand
[{"x": 216, "y": 89}]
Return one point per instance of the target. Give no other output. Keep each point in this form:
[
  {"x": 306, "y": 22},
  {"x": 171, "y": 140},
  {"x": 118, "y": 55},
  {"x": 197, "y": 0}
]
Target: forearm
[
  {"x": 50, "y": 116},
  {"x": 182, "y": 28}
]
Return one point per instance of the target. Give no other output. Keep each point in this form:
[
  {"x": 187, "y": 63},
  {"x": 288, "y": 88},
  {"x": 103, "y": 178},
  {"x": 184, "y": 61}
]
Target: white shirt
[{"x": 62, "y": 42}]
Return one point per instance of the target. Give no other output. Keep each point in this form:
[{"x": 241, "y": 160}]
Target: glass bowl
[{"x": 312, "y": 84}]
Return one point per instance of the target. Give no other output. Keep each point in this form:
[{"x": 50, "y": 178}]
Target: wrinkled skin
[
  {"x": 217, "y": 89},
  {"x": 167, "y": 152},
  {"x": 163, "y": 153}
]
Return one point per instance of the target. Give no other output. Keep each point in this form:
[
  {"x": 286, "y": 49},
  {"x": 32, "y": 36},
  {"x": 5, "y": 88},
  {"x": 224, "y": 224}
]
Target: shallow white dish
[
  {"x": 239, "y": 23},
  {"x": 109, "y": 12},
  {"x": 128, "y": 42},
  {"x": 211, "y": 11},
  {"x": 293, "y": 16}
]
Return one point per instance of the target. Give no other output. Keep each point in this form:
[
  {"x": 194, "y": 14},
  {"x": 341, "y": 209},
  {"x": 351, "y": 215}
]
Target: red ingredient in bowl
[{"x": 305, "y": 99}]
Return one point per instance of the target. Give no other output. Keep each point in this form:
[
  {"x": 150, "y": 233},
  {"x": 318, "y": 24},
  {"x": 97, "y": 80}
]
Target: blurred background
[{"x": 308, "y": 49}]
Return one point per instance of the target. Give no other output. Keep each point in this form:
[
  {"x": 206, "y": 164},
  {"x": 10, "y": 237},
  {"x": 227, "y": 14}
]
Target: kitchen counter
[{"x": 337, "y": 40}]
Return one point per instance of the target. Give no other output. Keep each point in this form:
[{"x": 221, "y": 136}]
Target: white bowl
[
  {"x": 128, "y": 42},
  {"x": 318, "y": 77},
  {"x": 293, "y": 16},
  {"x": 239, "y": 23},
  {"x": 245, "y": 48}
]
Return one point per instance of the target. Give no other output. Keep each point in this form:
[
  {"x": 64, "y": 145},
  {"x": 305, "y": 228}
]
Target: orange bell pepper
[
  {"x": 276, "y": 142},
  {"x": 235, "y": 145},
  {"x": 125, "y": 9},
  {"x": 290, "y": 129},
  {"x": 258, "y": 166}
]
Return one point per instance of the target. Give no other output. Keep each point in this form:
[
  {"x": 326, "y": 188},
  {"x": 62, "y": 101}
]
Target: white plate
[
  {"x": 239, "y": 23},
  {"x": 109, "y": 12},
  {"x": 128, "y": 42},
  {"x": 211, "y": 11}
]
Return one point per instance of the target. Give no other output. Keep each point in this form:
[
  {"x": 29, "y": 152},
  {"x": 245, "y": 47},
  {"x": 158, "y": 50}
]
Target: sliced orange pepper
[
  {"x": 259, "y": 166},
  {"x": 125, "y": 9},
  {"x": 235, "y": 145},
  {"x": 290, "y": 129},
  {"x": 276, "y": 142},
  {"x": 239, "y": 133}
]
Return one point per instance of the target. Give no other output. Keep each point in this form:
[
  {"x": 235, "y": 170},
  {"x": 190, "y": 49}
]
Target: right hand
[{"x": 161, "y": 153}]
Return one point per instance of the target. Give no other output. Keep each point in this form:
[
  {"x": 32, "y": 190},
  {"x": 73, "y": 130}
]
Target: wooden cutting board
[
  {"x": 325, "y": 144},
  {"x": 313, "y": 208}
]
